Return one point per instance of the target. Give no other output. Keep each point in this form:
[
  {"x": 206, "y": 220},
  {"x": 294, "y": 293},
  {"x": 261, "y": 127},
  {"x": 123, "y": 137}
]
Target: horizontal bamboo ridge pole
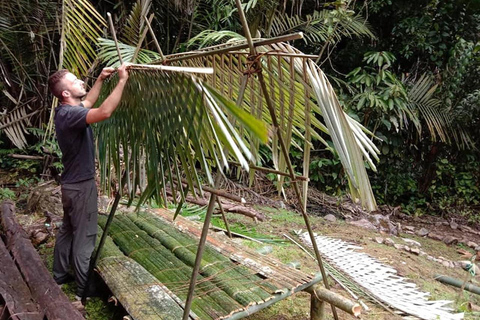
[
  {"x": 169, "y": 68},
  {"x": 214, "y": 265},
  {"x": 169, "y": 270},
  {"x": 219, "y": 193},
  {"x": 282, "y": 54},
  {"x": 223, "y": 48},
  {"x": 335, "y": 299}
]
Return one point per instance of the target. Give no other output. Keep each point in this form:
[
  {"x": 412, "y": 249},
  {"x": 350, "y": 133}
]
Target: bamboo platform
[{"x": 147, "y": 262}]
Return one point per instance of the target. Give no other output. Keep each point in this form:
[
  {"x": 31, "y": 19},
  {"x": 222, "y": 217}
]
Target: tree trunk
[
  {"x": 18, "y": 301},
  {"x": 44, "y": 290}
]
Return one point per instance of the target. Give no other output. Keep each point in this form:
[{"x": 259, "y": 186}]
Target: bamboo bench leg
[{"x": 317, "y": 308}]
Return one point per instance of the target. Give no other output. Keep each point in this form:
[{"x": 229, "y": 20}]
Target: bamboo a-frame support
[{"x": 213, "y": 197}]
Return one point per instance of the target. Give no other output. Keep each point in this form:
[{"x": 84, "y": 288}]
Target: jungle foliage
[{"x": 407, "y": 71}]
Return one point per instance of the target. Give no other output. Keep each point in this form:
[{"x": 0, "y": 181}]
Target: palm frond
[
  {"x": 108, "y": 53},
  {"x": 14, "y": 125},
  {"x": 321, "y": 26},
  {"x": 212, "y": 37},
  {"x": 295, "y": 85},
  {"x": 135, "y": 23},
  {"x": 80, "y": 27},
  {"x": 176, "y": 121}
]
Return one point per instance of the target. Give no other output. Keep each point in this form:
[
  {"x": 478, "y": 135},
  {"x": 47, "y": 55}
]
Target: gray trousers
[{"x": 76, "y": 238}]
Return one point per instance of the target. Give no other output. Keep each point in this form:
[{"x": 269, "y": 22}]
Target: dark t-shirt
[{"x": 75, "y": 138}]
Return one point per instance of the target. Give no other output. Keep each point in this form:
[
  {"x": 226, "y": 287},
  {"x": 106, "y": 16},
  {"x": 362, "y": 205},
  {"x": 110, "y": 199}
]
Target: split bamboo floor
[{"x": 147, "y": 262}]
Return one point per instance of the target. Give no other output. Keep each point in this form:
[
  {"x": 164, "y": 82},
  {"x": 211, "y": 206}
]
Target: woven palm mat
[{"x": 380, "y": 280}]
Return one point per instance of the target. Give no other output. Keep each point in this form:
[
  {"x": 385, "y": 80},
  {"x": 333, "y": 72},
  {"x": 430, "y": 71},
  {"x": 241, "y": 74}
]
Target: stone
[
  {"x": 450, "y": 240},
  {"x": 446, "y": 264},
  {"x": 472, "y": 244},
  {"x": 398, "y": 246},
  {"x": 422, "y": 253},
  {"x": 330, "y": 217},
  {"x": 409, "y": 228},
  {"x": 453, "y": 225},
  {"x": 477, "y": 248},
  {"x": 422, "y": 232},
  {"x": 363, "y": 223},
  {"x": 434, "y": 236},
  {"x": 438, "y": 224},
  {"x": 379, "y": 240},
  {"x": 412, "y": 242},
  {"x": 406, "y": 248},
  {"x": 383, "y": 224},
  {"x": 415, "y": 250},
  {"x": 389, "y": 242}
]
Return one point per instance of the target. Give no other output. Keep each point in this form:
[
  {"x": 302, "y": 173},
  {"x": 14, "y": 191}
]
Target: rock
[
  {"x": 450, "y": 240},
  {"x": 453, "y": 225},
  {"x": 406, "y": 248},
  {"x": 330, "y": 217},
  {"x": 412, "y": 242},
  {"x": 398, "y": 246},
  {"x": 434, "y": 236},
  {"x": 379, "y": 240},
  {"x": 430, "y": 258},
  {"x": 422, "y": 253},
  {"x": 383, "y": 224},
  {"x": 363, "y": 223},
  {"x": 422, "y": 232},
  {"x": 446, "y": 264},
  {"x": 472, "y": 244},
  {"x": 438, "y": 224},
  {"x": 409, "y": 228},
  {"x": 477, "y": 248},
  {"x": 415, "y": 251},
  {"x": 389, "y": 242}
]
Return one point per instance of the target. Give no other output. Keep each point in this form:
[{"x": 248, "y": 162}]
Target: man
[{"x": 76, "y": 238}]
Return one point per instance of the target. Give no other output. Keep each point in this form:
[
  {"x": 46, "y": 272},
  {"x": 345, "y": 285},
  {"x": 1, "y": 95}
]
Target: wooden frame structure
[{"x": 256, "y": 68}]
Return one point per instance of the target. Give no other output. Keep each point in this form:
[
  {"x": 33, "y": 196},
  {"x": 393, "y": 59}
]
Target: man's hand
[
  {"x": 122, "y": 72},
  {"x": 106, "y": 72}
]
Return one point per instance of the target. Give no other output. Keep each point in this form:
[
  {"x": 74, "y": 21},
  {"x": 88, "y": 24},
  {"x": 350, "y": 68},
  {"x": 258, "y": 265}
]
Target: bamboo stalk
[
  {"x": 215, "y": 192},
  {"x": 280, "y": 54},
  {"x": 154, "y": 38},
  {"x": 283, "y": 147},
  {"x": 112, "y": 29},
  {"x": 170, "y": 68},
  {"x": 191, "y": 55},
  {"x": 144, "y": 33}
]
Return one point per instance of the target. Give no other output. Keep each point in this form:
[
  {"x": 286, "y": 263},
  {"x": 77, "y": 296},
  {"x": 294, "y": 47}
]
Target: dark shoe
[{"x": 67, "y": 279}]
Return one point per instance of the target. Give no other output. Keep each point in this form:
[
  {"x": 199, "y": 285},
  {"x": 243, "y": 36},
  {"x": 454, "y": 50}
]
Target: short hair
[{"x": 55, "y": 83}]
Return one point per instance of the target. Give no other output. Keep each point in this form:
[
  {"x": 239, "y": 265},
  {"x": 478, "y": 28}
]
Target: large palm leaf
[
  {"x": 176, "y": 122},
  {"x": 301, "y": 94}
]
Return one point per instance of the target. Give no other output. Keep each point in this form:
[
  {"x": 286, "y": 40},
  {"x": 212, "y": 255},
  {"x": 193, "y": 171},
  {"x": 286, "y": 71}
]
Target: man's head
[{"x": 65, "y": 86}]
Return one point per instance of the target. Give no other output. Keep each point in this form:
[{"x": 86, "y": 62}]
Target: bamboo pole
[
  {"x": 457, "y": 283},
  {"x": 154, "y": 38},
  {"x": 224, "y": 217},
  {"x": 198, "y": 259},
  {"x": 216, "y": 192},
  {"x": 317, "y": 308},
  {"x": 190, "y": 55},
  {"x": 144, "y": 33},
  {"x": 170, "y": 68},
  {"x": 93, "y": 263},
  {"x": 281, "y": 54},
  {"x": 283, "y": 147},
  {"x": 112, "y": 29}
]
